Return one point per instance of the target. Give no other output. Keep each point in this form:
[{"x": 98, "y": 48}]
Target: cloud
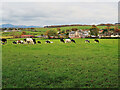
[
  {"x": 59, "y": 13},
  {"x": 59, "y": 0}
]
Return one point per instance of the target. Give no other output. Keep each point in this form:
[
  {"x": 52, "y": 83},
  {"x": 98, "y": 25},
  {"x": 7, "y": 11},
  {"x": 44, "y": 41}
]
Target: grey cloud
[{"x": 59, "y": 13}]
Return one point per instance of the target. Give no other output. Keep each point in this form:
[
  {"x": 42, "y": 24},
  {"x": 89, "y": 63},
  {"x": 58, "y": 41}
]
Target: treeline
[
  {"x": 17, "y": 29},
  {"x": 56, "y": 26},
  {"x": 106, "y": 25}
]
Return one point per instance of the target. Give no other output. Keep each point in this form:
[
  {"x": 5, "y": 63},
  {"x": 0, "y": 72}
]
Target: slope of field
[{"x": 59, "y": 65}]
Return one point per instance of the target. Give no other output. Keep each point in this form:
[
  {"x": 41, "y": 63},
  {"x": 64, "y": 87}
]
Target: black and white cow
[
  {"x": 62, "y": 40},
  {"x": 47, "y": 41},
  {"x": 39, "y": 42},
  {"x": 14, "y": 42},
  {"x": 25, "y": 40},
  {"x": 87, "y": 41},
  {"x": 20, "y": 42},
  {"x": 96, "y": 40},
  {"x": 4, "y": 40},
  {"x": 67, "y": 41},
  {"x": 30, "y": 41},
  {"x": 34, "y": 41},
  {"x": 73, "y": 40}
]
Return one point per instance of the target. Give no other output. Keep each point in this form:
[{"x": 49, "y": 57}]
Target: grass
[{"x": 59, "y": 65}]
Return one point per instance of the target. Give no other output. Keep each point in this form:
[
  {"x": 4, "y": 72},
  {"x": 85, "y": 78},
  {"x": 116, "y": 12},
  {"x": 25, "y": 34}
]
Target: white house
[
  {"x": 79, "y": 34},
  {"x": 74, "y": 34}
]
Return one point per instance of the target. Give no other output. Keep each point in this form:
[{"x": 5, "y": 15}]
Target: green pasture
[{"x": 60, "y": 65}]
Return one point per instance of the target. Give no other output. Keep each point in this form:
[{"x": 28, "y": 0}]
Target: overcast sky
[{"x": 53, "y": 13}]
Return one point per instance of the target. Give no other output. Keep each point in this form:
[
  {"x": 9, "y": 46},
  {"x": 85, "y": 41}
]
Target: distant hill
[{"x": 17, "y": 26}]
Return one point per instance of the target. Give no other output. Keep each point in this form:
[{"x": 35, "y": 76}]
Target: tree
[
  {"x": 67, "y": 31},
  {"x": 58, "y": 29},
  {"x": 67, "y": 35},
  {"x": 4, "y": 29},
  {"x": 41, "y": 34},
  {"x": 10, "y": 28},
  {"x": 74, "y": 29},
  {"x": 16, "y": 35},
  {"x": 51, "y": 33},
  {"x": 94, "y": 30},
  {"x": 63, "y": 31},
  {"x": 108, "y": 28},
  {"x": 23, "y": 33}
]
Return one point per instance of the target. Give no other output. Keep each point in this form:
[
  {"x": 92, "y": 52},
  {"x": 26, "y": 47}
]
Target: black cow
[
  {"x": 62, "y": 40},
  {"x": 47, "y": 41},
  {"x": 73, "y": 40},
  {"x": 14, "y": 42},
  {"x": 4, "y": 40},
  {"x": 96, "y": 40},
  {"x": 39, "y": 42},
  {"x": 87, "y": 41}
]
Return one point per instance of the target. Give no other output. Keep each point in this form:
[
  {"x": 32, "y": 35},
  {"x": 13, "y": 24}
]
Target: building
[
  {"x": 27, "y": 36},
  {"x": 79, "y": 34},
  {"x": 74, "y": 34},
  {"x": 7, "y": 31}
]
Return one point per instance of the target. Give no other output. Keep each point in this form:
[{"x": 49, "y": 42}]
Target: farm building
[
  {"x": 27, "y": 36},
  {"x": 84, "y": 34},
  {"x": 7, "y": 31},
  {"x": 74, "y": 34},
  {"x": 79, "y": 34}
]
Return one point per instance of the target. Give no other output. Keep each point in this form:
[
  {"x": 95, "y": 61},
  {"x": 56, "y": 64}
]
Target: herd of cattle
[{"x": 33, "y": 41}]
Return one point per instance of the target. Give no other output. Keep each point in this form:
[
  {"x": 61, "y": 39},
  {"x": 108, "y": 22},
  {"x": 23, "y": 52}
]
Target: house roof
[{"x": 101, "y": 31}]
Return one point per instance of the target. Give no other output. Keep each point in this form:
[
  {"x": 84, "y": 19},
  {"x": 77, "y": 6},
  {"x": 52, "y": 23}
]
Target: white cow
[{"x": 67, "y": 41}]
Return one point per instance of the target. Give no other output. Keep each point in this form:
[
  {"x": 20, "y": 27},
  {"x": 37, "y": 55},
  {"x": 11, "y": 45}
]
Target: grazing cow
[
  {"x": 14, "y": 42},
  {"x": 25, "y": 40},
  {"x": 73, "y": 40},
  {"x": 29, "y": 41},
  {"x": 20, "y": 42},
  {"x": 67, "y": 41},
  {"x": 62, "y": 40},
  {"x": 34, "y": 41},
  {"x": 87, "y": 41},
  {"x": 47, "y": 41},
  {"x": 38, "y": 42},
  {"x": 96, "y": 40},
  {"x": 4, "y": 40}
]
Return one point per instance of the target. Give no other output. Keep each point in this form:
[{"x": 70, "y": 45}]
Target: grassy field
[{"x": 59, "y": 65}]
